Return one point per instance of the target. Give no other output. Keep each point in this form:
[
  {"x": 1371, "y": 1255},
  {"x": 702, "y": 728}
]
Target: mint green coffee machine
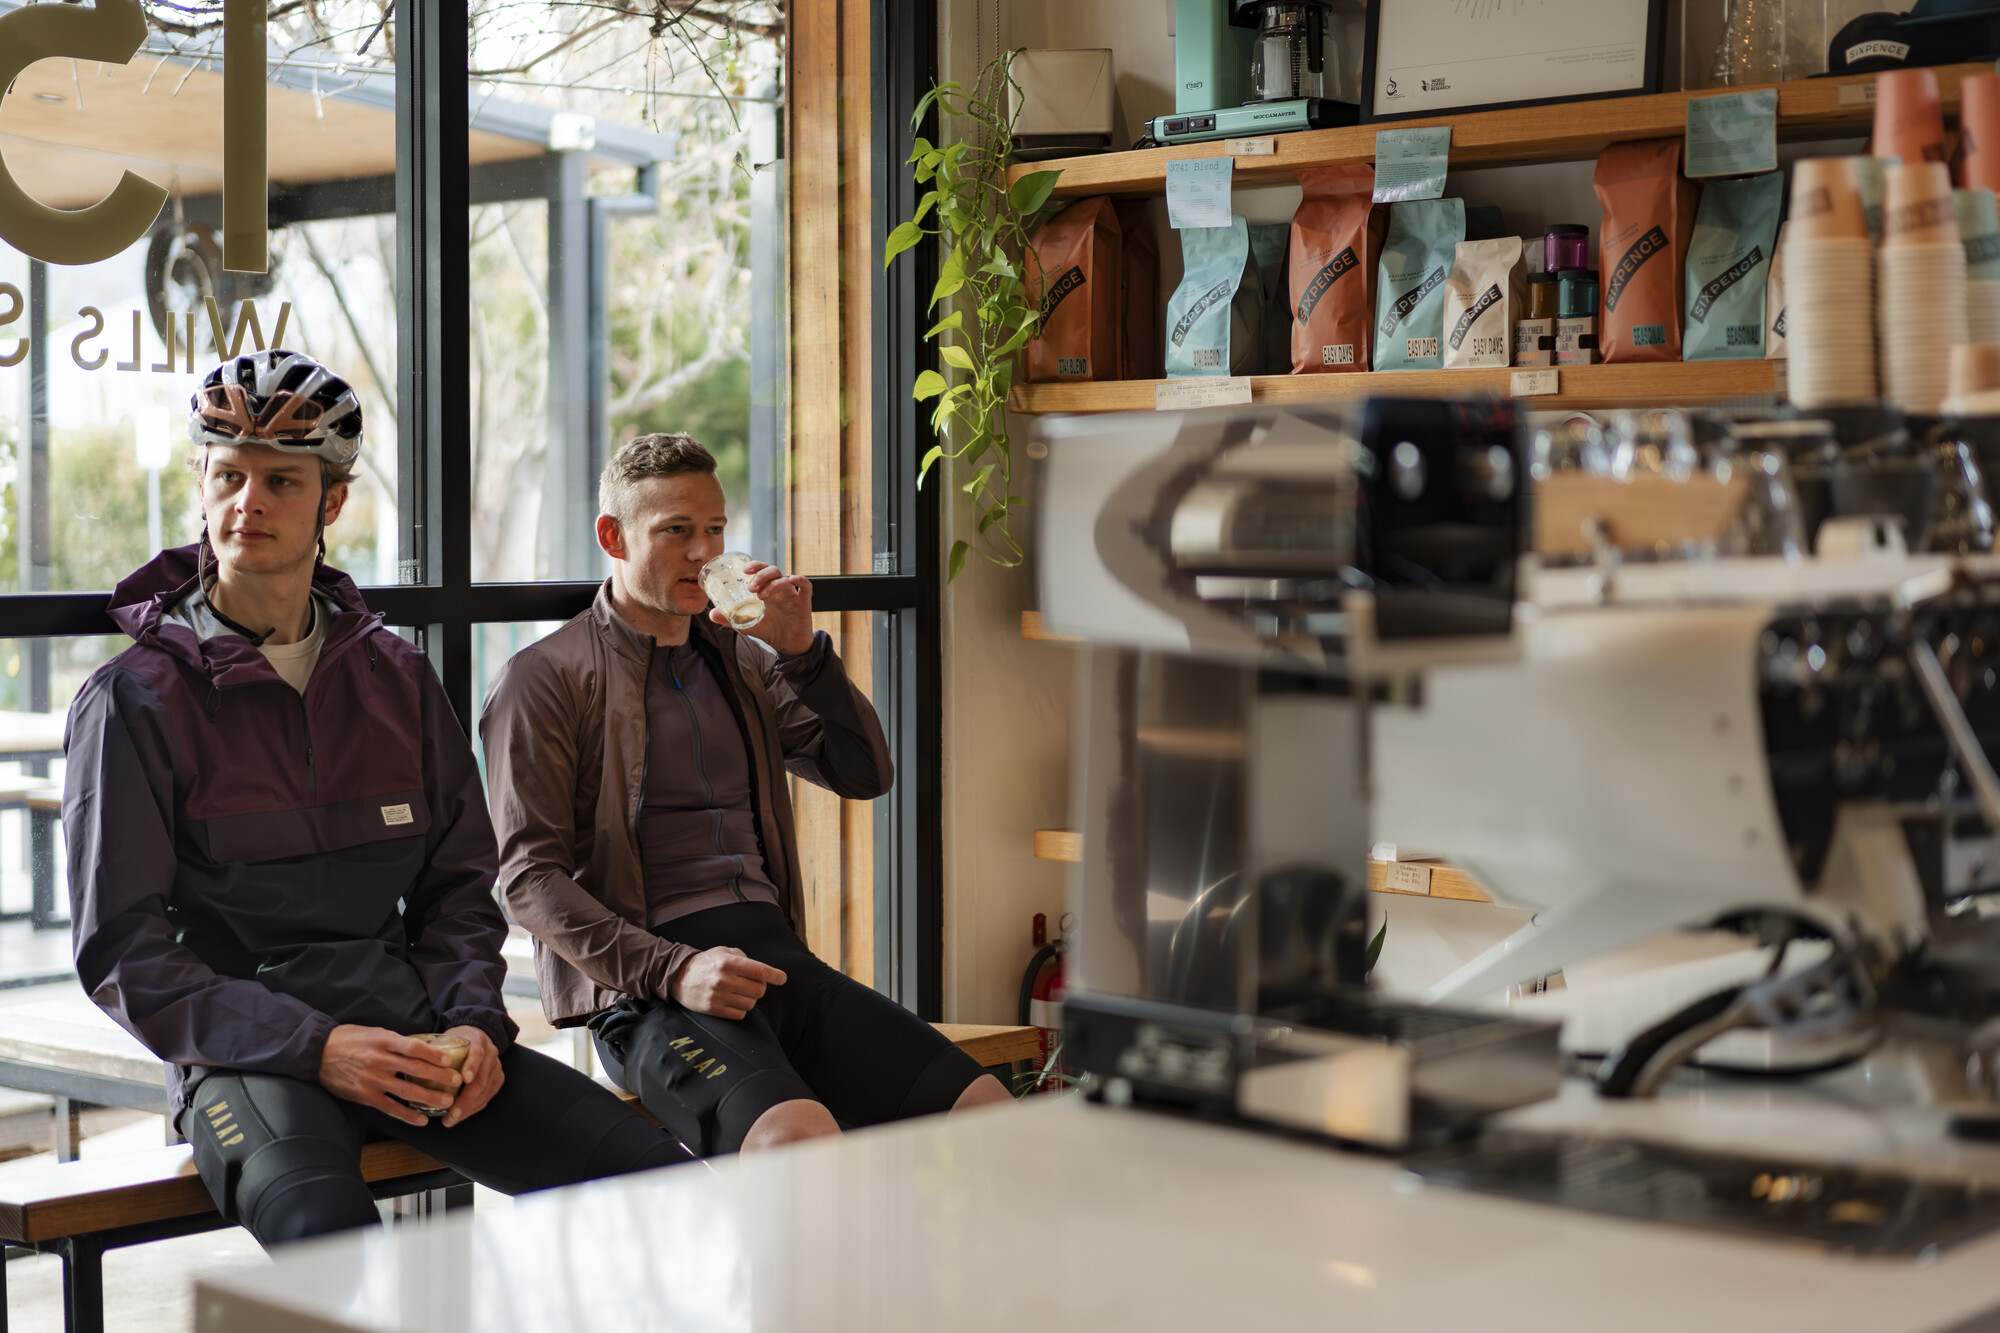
[
  {"x": 1211, "y": 56},
  {"x": 1256, "y": 67}
]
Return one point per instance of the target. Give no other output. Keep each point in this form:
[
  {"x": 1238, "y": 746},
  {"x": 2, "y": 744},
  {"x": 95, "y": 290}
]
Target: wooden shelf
[
  {"x": 1683, "y": 383},
  {"x": 1442, "y": 881},
  {"x": 1058, "y": 844},
  {"x": 1565, "y": 132},
  {"x": 1037, "y": 630}
]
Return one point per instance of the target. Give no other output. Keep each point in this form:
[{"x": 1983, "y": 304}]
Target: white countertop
[{"x": 1062, "y": 1215}]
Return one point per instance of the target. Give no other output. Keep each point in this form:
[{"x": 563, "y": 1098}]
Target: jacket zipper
[
  {"x": 305, "y": 722},
  {"x": 701, "y": 771},
  {"x": 716, "y": 663}
]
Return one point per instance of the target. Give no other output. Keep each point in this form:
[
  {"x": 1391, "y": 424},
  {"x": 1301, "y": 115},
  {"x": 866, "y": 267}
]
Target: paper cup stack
[
  {"x": 1921, "y": 311},
  {"x": 1829, "y": 287},
  {"x": 1979, "y": 229}
]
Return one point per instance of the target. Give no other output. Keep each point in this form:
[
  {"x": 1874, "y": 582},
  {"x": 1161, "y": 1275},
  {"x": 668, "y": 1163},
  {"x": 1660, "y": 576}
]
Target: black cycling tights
[{"x": 282, "y": 1157}]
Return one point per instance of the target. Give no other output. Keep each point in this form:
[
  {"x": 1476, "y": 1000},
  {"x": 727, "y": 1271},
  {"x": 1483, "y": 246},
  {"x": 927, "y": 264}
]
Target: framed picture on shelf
[{"x": 1437, "y": 57}]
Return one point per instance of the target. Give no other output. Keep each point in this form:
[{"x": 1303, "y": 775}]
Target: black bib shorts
[{"x": 822, "y": 1036}]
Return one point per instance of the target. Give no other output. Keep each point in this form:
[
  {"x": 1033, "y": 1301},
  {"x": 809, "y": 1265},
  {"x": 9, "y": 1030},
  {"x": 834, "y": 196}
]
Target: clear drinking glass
[
  {"x": 728, "y": 587},
  {"x": 1752, "y": 49}
]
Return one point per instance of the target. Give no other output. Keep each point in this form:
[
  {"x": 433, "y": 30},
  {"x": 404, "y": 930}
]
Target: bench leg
[
  {"x": 69, "y": 1128},
  {"x": 455, "y": 1198},
  {"x": 42, "y": 868},
  {"x": 83, "y": 1284}
]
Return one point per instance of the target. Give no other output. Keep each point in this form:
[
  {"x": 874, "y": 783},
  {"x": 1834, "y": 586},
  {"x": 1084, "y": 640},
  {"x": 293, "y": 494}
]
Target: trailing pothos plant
[{"x": 984, "y": 225}]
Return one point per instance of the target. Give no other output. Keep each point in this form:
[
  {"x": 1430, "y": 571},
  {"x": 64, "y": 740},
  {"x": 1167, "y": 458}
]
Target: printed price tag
[
  {"x": 1410, "y": 164},
  {"x": 1733, "y": 135},
  {"x": 1402, "y": 877},
  {"x": 1250, "y": 147},
  {"x": 1198, "y": 192},
  {"x": 1180, "y": 395},
  {"x": 1856, "y": 94},
  {"x": 1781, "y": 376},
  {"x": 1533, "y": 383}
]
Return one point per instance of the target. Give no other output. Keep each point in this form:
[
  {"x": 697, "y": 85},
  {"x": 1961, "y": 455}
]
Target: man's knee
[
  {"x": 985, "y": 1090},
  {"x": 790, "y": 1122},
  {"x": 295, "y": 1188}
]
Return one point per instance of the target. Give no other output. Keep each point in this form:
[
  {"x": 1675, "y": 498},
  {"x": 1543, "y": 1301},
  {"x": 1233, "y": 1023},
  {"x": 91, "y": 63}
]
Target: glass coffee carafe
[{"x": 1289, "y": 57}]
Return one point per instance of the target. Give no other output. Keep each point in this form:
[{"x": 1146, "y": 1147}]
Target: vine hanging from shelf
[{"x": 984, "y": 225}]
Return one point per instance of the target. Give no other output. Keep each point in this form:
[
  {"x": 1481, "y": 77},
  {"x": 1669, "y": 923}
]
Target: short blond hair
[{"x": 648, "y": 456}]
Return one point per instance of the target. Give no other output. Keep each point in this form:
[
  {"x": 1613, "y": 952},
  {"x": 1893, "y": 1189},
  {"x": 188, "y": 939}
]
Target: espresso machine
[
  {"x": 1245, "y": 68},
  {"x": 1317, "y": 627}
]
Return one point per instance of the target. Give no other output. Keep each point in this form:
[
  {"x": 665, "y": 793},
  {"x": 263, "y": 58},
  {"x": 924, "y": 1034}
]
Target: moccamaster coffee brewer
[{"x": 1254, "y": 67}]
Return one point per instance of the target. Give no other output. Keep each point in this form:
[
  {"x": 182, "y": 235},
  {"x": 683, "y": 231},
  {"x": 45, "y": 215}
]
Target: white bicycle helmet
[{"x": 284, "y": 399}]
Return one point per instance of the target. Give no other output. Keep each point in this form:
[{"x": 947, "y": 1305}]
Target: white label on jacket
[{"x": 397, "y": 814}]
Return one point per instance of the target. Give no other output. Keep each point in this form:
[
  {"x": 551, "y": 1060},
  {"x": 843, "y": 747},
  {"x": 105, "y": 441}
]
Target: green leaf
[
  {"x": 929, "y": 385},
  {"x": 956, "y": 562},
  {"x": 1375, "y": 945},
  {"x": 924, "y": 206},
  {"x": 902, "y": 238},
  {"x": 951, "y": 277},
  {"x": 955, "y": 320},
  {"x": 994, "y": 515},
  {"x": 923, "y": 468},
  {"x": 956, "y": 356},
  {"x": 1000, "y": 266},
  {"x": 978, "y": 482},
  {"x": 1029, "y": 193},
  {"x": 1014, "y": 343}
]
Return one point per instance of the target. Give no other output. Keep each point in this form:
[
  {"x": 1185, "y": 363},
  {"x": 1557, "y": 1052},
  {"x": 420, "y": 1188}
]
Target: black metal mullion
[
  {"x": 910, "y": 914},
  {"x": 432, "y": 300}
]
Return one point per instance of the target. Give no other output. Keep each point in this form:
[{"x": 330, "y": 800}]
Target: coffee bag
[
  {"x": 1138, "y": 293},
  {"x": 1649, "y": 212},
  {"x": 1336, "y": 241},
  {"x": 1205, "y": 326},
  {"x": 1775, "y": 347},
  {"x": 1076, "y": 261},
  {"x": 1417, "y": 256},
  {"x": 1728, "y": 265},
  {"x": 1484, "y": 295},
  {"x": 1269, "y": 244}
]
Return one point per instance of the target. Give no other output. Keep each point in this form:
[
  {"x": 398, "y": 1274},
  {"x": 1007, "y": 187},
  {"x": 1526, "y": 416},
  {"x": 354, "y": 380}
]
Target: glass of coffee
[
  {"x": 454, "y": 1050},
  {"x": 728, "y": 587}
]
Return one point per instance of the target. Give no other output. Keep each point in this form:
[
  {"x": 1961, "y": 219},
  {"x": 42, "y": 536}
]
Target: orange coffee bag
[
  {"x": 1336, "y": 241},
  {"x": 1649, "y": 212},
  {"x": 1076, "y": 261}
]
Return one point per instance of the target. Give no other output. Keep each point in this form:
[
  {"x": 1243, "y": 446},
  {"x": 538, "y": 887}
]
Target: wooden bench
[
  {"x": 42, "y": 800},
  {"x": 78, "y": 1210},
  {"x": 71, "y": 1050}
]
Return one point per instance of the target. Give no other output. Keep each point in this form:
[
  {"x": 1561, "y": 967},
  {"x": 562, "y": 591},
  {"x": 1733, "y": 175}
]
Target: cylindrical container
[
  {"x": 1917, "y": 206},
  {"x": 1826, "y": 200},
  {"x": 726, "y": 584},
  {"x": 1542, "y": 302},
  {"x": 1566, "y": 245},
  {"x": 1979, "y": 132},
  {"x": 1576, "y": 293},
  {"x": 454, "y": 1051},
  {"x": 1909, "y": 120}
]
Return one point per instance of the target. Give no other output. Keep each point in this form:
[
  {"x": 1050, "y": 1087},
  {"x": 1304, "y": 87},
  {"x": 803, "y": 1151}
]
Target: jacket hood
[{"x": 140, "y": 602}]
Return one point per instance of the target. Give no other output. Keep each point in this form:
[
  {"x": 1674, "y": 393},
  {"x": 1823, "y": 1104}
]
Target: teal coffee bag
[
  {"x": 1728, "y": 267},
  {"x": 1204, "y": 322},
  {"x": 1417, "y": 257},
  {"x": 1979, "y": 231}
]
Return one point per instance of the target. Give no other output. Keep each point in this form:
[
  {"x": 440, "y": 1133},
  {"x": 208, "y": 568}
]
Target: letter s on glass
[{"x": 110, "y": 31}]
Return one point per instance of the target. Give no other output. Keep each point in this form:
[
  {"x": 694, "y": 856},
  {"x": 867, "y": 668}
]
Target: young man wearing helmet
[
  {"x": 638, "y": 759},
  {"x": 281, "y": 865}
]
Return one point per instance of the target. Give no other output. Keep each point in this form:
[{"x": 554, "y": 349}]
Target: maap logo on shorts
[
  {"x": 703, "y": 1068},
  {"x": 224, "y": 1124}
]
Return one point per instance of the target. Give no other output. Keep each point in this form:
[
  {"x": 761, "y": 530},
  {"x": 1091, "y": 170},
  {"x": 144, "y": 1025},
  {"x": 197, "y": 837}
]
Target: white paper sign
[
  {"x": 1180, "y": 395},
  {"x": 1403, "y": 877},
  {"x": 1250, "y": 147},
  {"x": 1533, "y": 383},
  {"x": 1198, "y": 192}
]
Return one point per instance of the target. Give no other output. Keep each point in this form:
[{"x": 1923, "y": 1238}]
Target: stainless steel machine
[{"x": 1320, "y": 626}]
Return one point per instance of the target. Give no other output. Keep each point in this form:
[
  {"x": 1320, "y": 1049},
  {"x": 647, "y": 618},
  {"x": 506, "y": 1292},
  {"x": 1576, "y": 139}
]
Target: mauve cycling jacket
[{"x": 250, "y": 867}]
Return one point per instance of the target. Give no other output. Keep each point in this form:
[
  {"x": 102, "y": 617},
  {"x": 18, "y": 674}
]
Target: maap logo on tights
[{"x": 703, "y": 1068}]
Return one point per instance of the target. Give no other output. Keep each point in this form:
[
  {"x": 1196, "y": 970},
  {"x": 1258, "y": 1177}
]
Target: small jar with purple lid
[{"x": 1565, "y": 245}]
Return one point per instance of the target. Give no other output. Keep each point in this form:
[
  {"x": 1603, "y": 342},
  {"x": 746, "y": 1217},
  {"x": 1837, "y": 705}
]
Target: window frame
[{"x": 443, "y": 604}]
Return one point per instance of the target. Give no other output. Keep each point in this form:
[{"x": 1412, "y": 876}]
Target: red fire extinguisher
[{"x": 1041, "y": 1005}]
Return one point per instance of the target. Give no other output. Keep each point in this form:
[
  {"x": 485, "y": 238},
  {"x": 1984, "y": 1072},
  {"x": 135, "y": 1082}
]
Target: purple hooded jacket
[{"x": 250, "y": 867}]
